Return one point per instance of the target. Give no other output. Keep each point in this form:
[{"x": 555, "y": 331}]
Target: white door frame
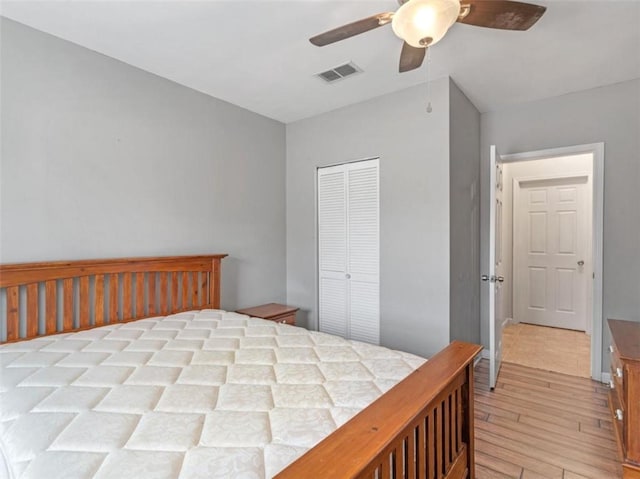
[{"x": 597, "y": 150}]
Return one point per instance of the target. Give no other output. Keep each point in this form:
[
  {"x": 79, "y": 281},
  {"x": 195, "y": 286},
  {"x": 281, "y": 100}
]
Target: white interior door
[
  {"x": 551, "y": 251},
  {"x": 495, "y": 277},
  {"x": 349, "y": 250}
]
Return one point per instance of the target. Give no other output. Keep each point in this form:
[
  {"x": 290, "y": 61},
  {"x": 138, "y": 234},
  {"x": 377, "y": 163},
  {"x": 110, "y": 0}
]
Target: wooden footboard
[{"x": 420, "y": 429}]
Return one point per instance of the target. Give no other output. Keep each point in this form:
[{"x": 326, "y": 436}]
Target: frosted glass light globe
[{"x": 425, "y": 19}]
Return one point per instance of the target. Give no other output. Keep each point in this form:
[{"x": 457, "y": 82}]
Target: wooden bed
[{"x": 420, "y": 429}]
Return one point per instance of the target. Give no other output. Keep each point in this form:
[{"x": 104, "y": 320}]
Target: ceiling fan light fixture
[{"x": 422, "y": 23}]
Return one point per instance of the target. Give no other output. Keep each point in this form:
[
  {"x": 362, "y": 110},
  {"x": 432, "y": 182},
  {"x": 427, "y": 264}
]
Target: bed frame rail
[
  {"x": 38, "y": 299},
  {"x": 420, "y": 429}
]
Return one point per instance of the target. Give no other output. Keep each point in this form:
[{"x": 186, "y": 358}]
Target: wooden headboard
[{"x": 38, "y": 299}]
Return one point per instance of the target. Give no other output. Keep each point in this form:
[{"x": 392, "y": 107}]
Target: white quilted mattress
[{"x": 205, "y": 394}]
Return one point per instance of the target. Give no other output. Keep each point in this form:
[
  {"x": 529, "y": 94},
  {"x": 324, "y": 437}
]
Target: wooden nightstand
[{"x": 279, "y": 313}]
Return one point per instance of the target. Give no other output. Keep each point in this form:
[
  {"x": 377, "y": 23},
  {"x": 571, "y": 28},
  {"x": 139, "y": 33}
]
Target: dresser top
[{"x": 626, "y": 335}]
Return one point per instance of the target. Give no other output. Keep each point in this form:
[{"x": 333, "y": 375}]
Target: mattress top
[{"x": 204, "y": 394}]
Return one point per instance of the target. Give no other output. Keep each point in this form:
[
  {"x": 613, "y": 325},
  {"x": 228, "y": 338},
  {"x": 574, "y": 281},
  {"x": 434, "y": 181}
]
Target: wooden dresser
[
  {"x": 624, "y": 397},
  {"x": 279, "y": 313}
]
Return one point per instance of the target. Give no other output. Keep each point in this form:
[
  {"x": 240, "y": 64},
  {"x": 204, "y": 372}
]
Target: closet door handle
[{"x": 348, "y": 276}]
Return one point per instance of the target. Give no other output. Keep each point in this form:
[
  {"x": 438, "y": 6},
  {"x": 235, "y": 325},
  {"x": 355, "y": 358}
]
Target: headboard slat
[
  {"x": 84, "y": 302},
  {"x": 174, "y": 290},
  {"x": 32, "y": 310},
  {"x": 204, "y": 288},
  {"x": 151, "y": 301},
  {"x": 127, "y": 298},
  {"x": 67, "y": 314},
  {"x": 113, "y": 298},
  {"x": 106, "y": 291},
  {"x": 214, "y": 283},
  {"x": 98, "y": 301},
  {"x": 185, "y": 290},
  {"x": 13, "y": 313},
  {"x": 139, "y": 295},
  {"x": 195, "y": 278},
  {"x": 164, "y": 293},
  {"x": 51, "y": 305}
]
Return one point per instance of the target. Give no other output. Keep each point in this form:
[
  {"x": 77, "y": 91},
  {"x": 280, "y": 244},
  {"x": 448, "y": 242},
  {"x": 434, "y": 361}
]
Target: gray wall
[
  {"x": 464, "y": 210},
  {"x": 413, "y": 147},
  {"x": 610, "y": 115},
  {"x": 100, "y": 159}
]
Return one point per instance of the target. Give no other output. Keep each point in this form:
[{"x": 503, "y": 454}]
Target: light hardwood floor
[
  {"x": 552, "y": 349},
  {"x": 542, "y": 424}
]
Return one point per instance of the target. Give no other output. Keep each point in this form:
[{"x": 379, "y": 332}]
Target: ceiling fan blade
[
  {"x": 352, "y": 29},
  {"x": 501, "y": 14},
  {"x": 411, "y": 57}
]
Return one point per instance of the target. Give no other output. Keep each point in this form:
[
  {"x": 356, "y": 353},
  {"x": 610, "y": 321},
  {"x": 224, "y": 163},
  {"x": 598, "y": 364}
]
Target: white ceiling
[{"x": 255, "y": 54}]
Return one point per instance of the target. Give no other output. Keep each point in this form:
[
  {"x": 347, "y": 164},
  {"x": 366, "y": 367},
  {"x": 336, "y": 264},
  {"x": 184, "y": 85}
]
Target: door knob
[
  {"x": 491, "y": 279},
  {"x": 500, "y": 279},
  {"x": 580, "y": 263},
  {"x": 348, "y": 276}
]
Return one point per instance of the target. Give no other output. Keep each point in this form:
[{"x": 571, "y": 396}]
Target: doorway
[{"x": 552, "y": 241}]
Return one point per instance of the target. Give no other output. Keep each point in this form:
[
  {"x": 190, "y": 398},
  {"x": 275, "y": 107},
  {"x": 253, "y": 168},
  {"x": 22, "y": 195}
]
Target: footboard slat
[
  {"x": 430, "y": 446},
  {"x": 410, "y": 455},
  {"x": 410, "y": 432},
  {"x": 421, "y": 444}
]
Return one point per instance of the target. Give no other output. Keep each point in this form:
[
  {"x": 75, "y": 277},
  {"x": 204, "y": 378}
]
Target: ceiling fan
[{"x": 423, "y": 23}]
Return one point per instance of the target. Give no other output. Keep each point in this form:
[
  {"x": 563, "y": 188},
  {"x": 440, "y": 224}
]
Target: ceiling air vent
[{"x": 340, "y": 72}]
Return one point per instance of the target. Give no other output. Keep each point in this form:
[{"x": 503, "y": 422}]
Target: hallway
[{"x": 552, "y": 349}]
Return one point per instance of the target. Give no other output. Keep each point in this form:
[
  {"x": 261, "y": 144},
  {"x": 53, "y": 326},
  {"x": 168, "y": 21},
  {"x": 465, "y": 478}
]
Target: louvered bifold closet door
[
  {"x": 348, "y": 225},
  {"x": 332, "y": 249},
  {"x": 363, "y": 251}
]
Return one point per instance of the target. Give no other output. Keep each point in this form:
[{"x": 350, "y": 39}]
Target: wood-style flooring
[
  {"x": 553, "y": 349},
  {"x": 542, "y": 424}
]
